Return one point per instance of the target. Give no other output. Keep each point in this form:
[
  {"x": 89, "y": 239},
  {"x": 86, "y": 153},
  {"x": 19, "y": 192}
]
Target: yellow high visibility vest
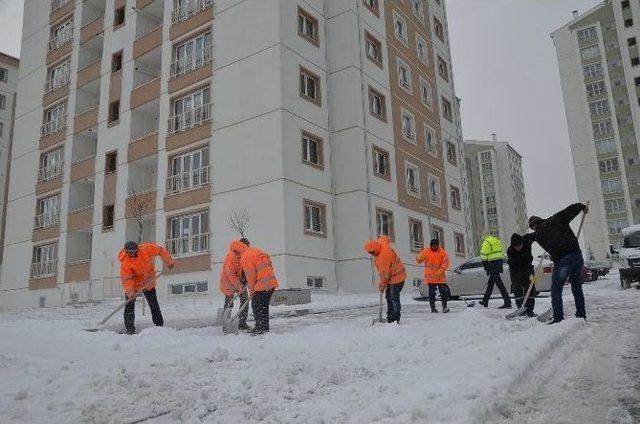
[{"x": 491, "y": 249}]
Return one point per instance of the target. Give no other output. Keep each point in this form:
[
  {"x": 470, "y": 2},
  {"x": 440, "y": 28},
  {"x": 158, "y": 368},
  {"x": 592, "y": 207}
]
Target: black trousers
[
  {"x": 445, "y": 293},
  {"x": 242, "y": 317},
  {"x": 519, "y": 285},
  {"x": 392, "y": 294},
  {"x": 495, "y": 279},
  {"x": 260, "y": 306},
  {"x": 130, "y": 311}
]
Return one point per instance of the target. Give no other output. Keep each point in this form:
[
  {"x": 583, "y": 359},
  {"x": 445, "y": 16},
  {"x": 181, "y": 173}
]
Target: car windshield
[{"x": 632, "y": 240}]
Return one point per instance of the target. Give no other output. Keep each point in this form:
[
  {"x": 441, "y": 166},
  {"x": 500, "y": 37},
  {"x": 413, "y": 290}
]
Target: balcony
[
  {"x": 189, "y": 127},
  {"x": 77, "y": 271},
  {"x": 44, "y": 269},
  {"x": 46, "y": 226},
  {"x": 60, "y": 46},
  {"x": 140, "y": 203},
  {"x": 55, "y": 89},
  {"x": 59, "y": 9},
  {"x": 188, "y": 189},
  {"x": 142, "y": 147},
  {"x": 90, "y": 30},
  {"x": 145, "y": 93},
  {"x": 81, "y": 195},
  {"x": 148, "y": 42},
  {"x": 191, "y": 15},
  {"x": 56, "y": 125},
  {"x": 90, "y": 72},
  {"x": 191, "y": 69},
  {"x": 80, "y": 218},
  {"x": 49, "y": 173},
  {"x": 194, "y": 245},
  {"x": 83, "y": 168},
  {"x": 85, "y": 120}
]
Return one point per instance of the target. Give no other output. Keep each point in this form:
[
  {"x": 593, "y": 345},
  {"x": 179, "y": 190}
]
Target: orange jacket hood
[{"x": 238, "y": 247}]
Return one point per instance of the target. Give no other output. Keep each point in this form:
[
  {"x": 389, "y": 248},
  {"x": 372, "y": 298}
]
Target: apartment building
[
  {"x": 599, "y": 64},
  {"x": 8, "y": 84},
  {"x": 496, "y": 190},
  {"x": 319, "y": 120}
]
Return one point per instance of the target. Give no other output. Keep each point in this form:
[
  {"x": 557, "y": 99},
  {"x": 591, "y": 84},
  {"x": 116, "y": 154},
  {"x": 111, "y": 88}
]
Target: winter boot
[
  {"x": 433, "y": 307},
  {"x": 505, "y": 306},
  {"x": 244, "y": 327},
  {"x": 483, "y": 303},
  {"x": 444, "y": 307}
]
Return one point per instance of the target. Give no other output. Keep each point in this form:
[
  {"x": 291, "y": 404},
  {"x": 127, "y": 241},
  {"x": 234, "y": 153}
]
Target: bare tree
[
  {"x": 139, "y": 207},
  {"x": 239, "y": 221}
]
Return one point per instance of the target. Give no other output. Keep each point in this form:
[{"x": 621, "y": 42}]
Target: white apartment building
[
  {"x": 599, "y": 64},
  {"x": 319, "y": 119},
  {"x": 8, "y": 84},
  {"x": 496, "y": 190}
]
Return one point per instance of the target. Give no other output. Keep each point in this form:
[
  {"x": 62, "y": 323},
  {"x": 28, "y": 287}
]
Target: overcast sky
[{"x": 506, "y": 73}]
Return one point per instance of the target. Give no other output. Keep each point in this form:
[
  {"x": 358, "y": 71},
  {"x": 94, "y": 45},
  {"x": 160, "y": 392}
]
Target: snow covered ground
[{"x": 470, "y": 366}]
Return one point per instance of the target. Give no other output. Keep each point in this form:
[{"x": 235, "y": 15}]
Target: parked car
[{"x": 598, "y": 268}]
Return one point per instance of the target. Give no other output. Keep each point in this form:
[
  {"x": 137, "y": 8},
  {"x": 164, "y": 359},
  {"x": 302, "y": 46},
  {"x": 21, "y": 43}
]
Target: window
[
  {"x": 381, "y": 163},
  {"x": 613, "y": 185},
  {"x": 602, "y": 127},
  {"x": 188, "y": 171},
  {"x": 118, "y": 17},
  {"x": 61, "y": 34},
  {"x": 635, "y": 61},
  {"x": 373, "y": 48},
  {"x": 455, "y": 198},
  {"x": 447, "y": 111},
  {"x": 309, "y": 85},
  {"x": 191, "y": 54},
  {"x": 417, "y": 8},
  {"x": 438, "y": 234},
  {"x": 608, "y": 165},
  {"x": 430, "y": 142},
  {"x": 599, "y": 108},
  {"x": 377, "y": 104},
  {"x": 417, "y": 282},
  {"x": 408, "y": 126},
  {"x": 188, "y": 234},
  {"x": 434, "y": 190},
  {"x": 314, "y": 218},
  {"x": 442, "y": 69},
  {"x": 58, "y": 76},
  {"x": 44, "y": 260},
  {"x": 607, "y": 145},
  {"x": 54, "y": 119},
  {"x": 587, "y": 34},
  {"x": 628, "y": 23},
  {"x": 4, "y": 74},
  {"x": 308, "y": 26},
  {"x": 189, "y": 111},
  {"x": 412, "y": 179},
  {"x": 373, "y": 5},
  {"x": 631, "y": 41},
  {"x": 590, "y": 53},
  {"x": 189, "y": 288},
  {"x": 452, "y": 157},
  {"x": 116, "y": 61},
  {"x": 422, "y": 50},
  {"x": 315, "y": 282},
  {"x": 108, "y": 215},
  {"x": 111, "y": 162},
  {"x": 404, "y": 75},
  {"x": 438, "y": 29},
  {"x": 47, "y": 212},
  {"x": 485, "y": 156},
  {"x": 593, "y": 71},
  {"x": 492, "y": 210},
  {"x": 615, "y": 226},
  {"x": 458, "y": 239},
  {"x": 400, "y": 27},
  {"x": 50, "y": 165},
  {"x": 114, "y": 112},
  {"x": 596, "y": 88},
  {"x": 416, "y": 237},
  {"x": 384, "y": 223},
  {"x": 615, "y": 205},
  {"x": 625, "y": 4},
  {"x": 312, "y": 150},
  {"x": 426, "y": 93}
]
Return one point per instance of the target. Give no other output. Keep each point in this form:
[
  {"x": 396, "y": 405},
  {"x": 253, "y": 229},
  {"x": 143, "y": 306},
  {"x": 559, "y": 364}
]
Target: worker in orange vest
[
  {"x": 232, "y": 281},
  {"x": 392, "y": 274},
  {"x": 261, "y": 280},
  {"x": 137, "y": 272},
  {"x": 436, "y": 264}
]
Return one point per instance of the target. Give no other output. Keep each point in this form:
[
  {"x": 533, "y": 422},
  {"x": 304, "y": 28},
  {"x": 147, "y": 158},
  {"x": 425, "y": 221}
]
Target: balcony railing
[
  {"x": 44, "y": 269},
  {"x": 188, "y": 246},
  {"x": 186, "y": 181},
  {"x": 57, "y": 4},
  {"x": 54, "y": 125},
  {"x": 417, "y": 244},
  {"x": 188, "y": 9},
  {"x": 191, "y": 61},
  {"x": 189, "y": 119},
  {"x": 57, "y": 82},
  {"x": 50, "y": 172},
  {"x": 46, "y": 220},
  {"x": 63, "y": 38}
]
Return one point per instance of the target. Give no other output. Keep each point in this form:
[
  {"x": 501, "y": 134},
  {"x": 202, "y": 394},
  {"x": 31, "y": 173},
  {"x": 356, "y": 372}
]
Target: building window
[
  {"x": 590, "y": 53},
  {"x": 593, "y": 71},
  {"x": 452, "y": 157},
  {"x": 628, "y": 23},
  {"x": 458, "y": 239},
  {"x": 309, "y": 85},
  {"x": 55, "y": 119},
  {"x": 434, "y": 190},
  {"x": 373, "y": 48},
  {"x": 47, "y": 212},
  {"x": 631, "y": 41},
  {"x": 404, "y": 75},
  {"x": 381, "y": 163},
  {"x": 312, "y": 150},
  {"x": 61, "y": 34},
  {"x": 315, "y": 222},
  {"x": 599, "y": 108},
  {"x": 615, "y": 226},
  {"x": 408, "y": 126},
  {"x": 50, "y": 166},
  {"x": 111, "y": 162},
  {"x": 188, "y": 234},
  {"x": 412, "y": 179},
  {"x": 615, "y": 206},
  {"x": 587, "y": 34},
  {"x": 377, "y": 104},
  {"x": 4, "y": 74},
  {"x": 108, "y": 216},
  {"x": 430, "y": 141},
  {"x": 44, "y": 261},
  {"x": 422, "y": 50},
  {"x": 118, "y": 17},
  {"x": 438, "y": 234},
  {"x": 400, "y": 27},
  {"x": 114, "y": 112},
  {"x": 189, "y": 111},
  {"x": 308, "y": 27},
  {"x": 602, "y": 127},
  {"x": 417, "y": 8},
  {"x": 416, "y": 237},
  {"x": 438, "y": 29},
  {"x": 625, "y": 4},
  {"x": 1, "y": 128},
  {"x": 189, "y": 288},
  {"x": 455, "y": 198},
  {"x": 373, "y": 5},
  {"x": 447, "y": 111},
  {"x": 596, "y": 88},
  {"x": 116, "y": 61},
  {"x": 443, "y": 70},
  {"x": 607, "y": 145},
  {"x": 613, "y": 185},
  {"x": 426, "y": 93},
  {"x": 608, "y": 165},
  {"x": 315, "y": 282},
  {"x": 384, "y": 223},
  {"x": 189, "y": 171},
  {"x": 191, "y": 54},
  {"x": 58, "y": 76}
]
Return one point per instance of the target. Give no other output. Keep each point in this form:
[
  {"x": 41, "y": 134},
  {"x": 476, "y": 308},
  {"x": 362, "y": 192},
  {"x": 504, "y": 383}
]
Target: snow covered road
[{"x": 465, "y": 367}]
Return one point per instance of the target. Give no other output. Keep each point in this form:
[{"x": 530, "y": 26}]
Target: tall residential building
[
  {"x": 324, "y": 122},
  {"x": 599, "y": 63},
  {"x": 9, "y": 66},
  {"x": 496, "y": 190}
]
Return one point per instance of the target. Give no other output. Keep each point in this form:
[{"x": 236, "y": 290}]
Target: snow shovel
[
  {"x": 222, "y": 311},
  {"x": 534, "y": 279},
  {"x": 379, "y": 319},
  {"x": 99, "y": 326},
  {"x": 231, "y": 324}
]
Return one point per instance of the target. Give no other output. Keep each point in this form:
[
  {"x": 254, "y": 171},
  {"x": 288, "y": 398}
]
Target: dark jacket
[
  {"x": 520, "y": 260},
  {"x": 556, "y": 236}
]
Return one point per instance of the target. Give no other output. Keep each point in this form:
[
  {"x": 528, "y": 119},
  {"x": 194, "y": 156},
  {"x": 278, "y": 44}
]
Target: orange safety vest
[
  {"x": 436, "y": 265},
  {"x": 140, "y": 272},
  {"x": 390, "y": 268},
  {"x": 230, "y": 275},
  {"x": 257, "y": 267}
]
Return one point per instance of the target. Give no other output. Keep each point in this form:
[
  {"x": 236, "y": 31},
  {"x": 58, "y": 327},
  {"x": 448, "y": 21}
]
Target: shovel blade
[
  {"x": 516, "y": 313},
  {"x": 229, "y": 325}
]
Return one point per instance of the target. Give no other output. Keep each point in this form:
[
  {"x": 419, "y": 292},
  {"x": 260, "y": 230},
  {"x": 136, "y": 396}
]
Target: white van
[{"x": 629, "y": 256}]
